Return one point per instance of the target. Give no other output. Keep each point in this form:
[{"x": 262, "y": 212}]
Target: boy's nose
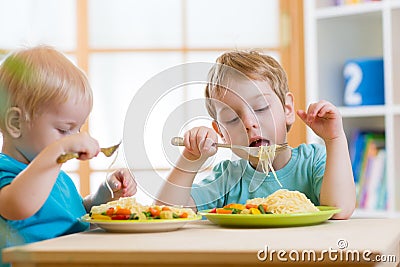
[
  {"x": 250, "y": 122},
  {"x": 249, "y": 127}
]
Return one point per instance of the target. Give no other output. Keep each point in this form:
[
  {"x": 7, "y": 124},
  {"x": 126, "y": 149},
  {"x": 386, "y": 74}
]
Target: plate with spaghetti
[
  {"x": 271, "y": 220},
  {"x": 127, "y": 215},
  {"x": 282, "y": 208}
]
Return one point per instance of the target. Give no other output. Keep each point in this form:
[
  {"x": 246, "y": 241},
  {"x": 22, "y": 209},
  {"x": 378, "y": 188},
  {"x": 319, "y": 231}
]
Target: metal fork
[
  {"x": 249, "y": 151},
  {"x": 107, "y": 151}
]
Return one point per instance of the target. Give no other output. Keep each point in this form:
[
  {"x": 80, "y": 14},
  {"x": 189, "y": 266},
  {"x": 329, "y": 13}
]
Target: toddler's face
[
  {"x": 249, "y": 113},
  {"x": 56, "y": 122}
]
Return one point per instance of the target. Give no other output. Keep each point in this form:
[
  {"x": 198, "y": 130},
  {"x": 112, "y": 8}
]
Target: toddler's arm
[
  {"x": 337, "y": 187},
  {"x": 199, "y": 146},
  {"x": 30, "y": 188}
]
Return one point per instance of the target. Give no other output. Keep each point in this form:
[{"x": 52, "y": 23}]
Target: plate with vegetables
[
  {"x": 126, "y": 215},
  {"x": 250, "y": 215}
]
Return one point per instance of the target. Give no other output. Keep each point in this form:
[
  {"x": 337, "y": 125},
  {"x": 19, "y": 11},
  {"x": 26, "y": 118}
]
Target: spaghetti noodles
[
  {"x": 284, "y": 201},
  {"x": 266, "y": 156}
]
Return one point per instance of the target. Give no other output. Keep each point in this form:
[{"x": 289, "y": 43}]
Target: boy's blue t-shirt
[
  {"x": 237, "y": 181},
  {"x": 58, "y": 216}
]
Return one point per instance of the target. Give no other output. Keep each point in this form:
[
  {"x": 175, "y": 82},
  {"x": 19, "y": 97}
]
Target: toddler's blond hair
[{"x": 34, "y": 78}]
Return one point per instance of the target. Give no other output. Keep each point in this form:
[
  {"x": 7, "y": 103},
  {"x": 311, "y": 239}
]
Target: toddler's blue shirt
[{"x": 58, "y": 216}]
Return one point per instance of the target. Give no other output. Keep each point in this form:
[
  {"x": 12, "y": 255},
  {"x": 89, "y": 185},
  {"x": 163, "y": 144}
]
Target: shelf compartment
[
  {"x": 342, "y": 39},
  {"x": 348, "y": 10},
  {"x": 354, "y": 124}
]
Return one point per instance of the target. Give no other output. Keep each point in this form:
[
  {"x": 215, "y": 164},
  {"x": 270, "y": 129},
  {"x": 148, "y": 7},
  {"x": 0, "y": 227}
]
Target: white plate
[{"x": 140, "y": 226}]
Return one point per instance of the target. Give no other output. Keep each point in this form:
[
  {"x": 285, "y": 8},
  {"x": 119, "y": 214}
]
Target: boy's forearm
[
  {"x": 177, "y": 187},
  {"x": 338, "y": 187}
]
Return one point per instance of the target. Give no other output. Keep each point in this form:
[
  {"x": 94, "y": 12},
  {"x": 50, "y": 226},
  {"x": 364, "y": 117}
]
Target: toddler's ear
[
  {"x": 13, "y": 122},
  {"x": 289, "y": 109}
]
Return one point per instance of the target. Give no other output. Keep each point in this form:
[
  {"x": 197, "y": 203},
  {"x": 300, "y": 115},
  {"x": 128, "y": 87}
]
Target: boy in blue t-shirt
[
  {"x": 248, "y": 98},
  {"x": 45, "y": 100}
]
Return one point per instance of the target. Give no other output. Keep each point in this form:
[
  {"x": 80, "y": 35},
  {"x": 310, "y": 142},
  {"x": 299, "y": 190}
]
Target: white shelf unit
[{"x": 336, "y": 33}]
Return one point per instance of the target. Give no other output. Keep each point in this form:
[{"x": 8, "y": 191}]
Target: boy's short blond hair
[
  {"x": 34, "y": 78},
  {"x": 250, "y": 65}
]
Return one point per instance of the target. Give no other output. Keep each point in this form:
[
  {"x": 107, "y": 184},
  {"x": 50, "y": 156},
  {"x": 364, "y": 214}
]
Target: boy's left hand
[
  {"x": 324, "y": 119},
  {"x": 122, "y": 183}
]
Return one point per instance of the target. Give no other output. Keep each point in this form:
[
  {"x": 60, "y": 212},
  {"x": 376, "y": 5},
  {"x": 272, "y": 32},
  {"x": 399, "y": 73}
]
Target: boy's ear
[
  {"x": 216, "y": 128},
  {"x": 13, "y": 122},
  {"x": 289, "y": 109}
]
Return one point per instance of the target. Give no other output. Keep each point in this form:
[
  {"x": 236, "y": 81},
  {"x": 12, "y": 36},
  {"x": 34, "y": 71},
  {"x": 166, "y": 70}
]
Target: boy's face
[
  {"x": 56, "y": 122},
  {"x": 249, "y": 113}
]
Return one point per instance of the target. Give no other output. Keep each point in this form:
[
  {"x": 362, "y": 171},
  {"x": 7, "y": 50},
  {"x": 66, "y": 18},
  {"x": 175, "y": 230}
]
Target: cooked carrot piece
[
  {"x": 184, "y": 215},
  {"x": 123, "y": 212},
  {"x": 224, "y": 211},
  {"x": 110, "y": 211},
  {"x": 154, "y": 212},
  {"x": 249, "y": 206}
]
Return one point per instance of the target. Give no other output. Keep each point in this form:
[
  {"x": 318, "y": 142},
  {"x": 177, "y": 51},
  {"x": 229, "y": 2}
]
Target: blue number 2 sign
[{"x": 364, "y": 82}]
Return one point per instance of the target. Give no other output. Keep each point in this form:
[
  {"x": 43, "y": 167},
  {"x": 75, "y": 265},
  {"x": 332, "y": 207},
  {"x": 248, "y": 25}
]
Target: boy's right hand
[
  {"x": 81, "y": 143},
  {"x": 199, "y": 143}
]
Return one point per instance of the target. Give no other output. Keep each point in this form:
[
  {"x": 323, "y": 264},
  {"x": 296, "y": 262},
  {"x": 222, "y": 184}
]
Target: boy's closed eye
[
  {"x": 64, "y": 131},
  {"x": 262, "y": 109},
  {"x": 231, "y": 121},
  {"x": 236, "y": 118},
  {"x": 68, "y": 130},
  {"x": 228, "y": 116}
]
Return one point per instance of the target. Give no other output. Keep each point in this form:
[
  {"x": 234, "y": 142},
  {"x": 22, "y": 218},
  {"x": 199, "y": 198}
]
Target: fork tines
[{"x": 282, "y": 146}]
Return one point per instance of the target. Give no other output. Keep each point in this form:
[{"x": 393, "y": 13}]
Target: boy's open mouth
[{"x": 259, "y": 142}]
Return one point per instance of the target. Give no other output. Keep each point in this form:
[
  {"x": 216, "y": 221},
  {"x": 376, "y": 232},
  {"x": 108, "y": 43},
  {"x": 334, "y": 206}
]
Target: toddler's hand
[
  {"x": 199, "y": 143},
  {"x": 122, "y": 183},
  {"x": 81, "y": 143},
  {"x": 324, "y": 119}
]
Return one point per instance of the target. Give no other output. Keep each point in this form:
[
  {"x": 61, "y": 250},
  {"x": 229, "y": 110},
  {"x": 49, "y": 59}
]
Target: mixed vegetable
[
  {"x": 150, "y": 213},
  {"x": 235, "y": 208}
]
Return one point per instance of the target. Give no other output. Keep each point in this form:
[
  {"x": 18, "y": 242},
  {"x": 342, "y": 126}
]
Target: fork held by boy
[
  {"x": 108, "y": 152},
  {"x": 252, "y": 151}
]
